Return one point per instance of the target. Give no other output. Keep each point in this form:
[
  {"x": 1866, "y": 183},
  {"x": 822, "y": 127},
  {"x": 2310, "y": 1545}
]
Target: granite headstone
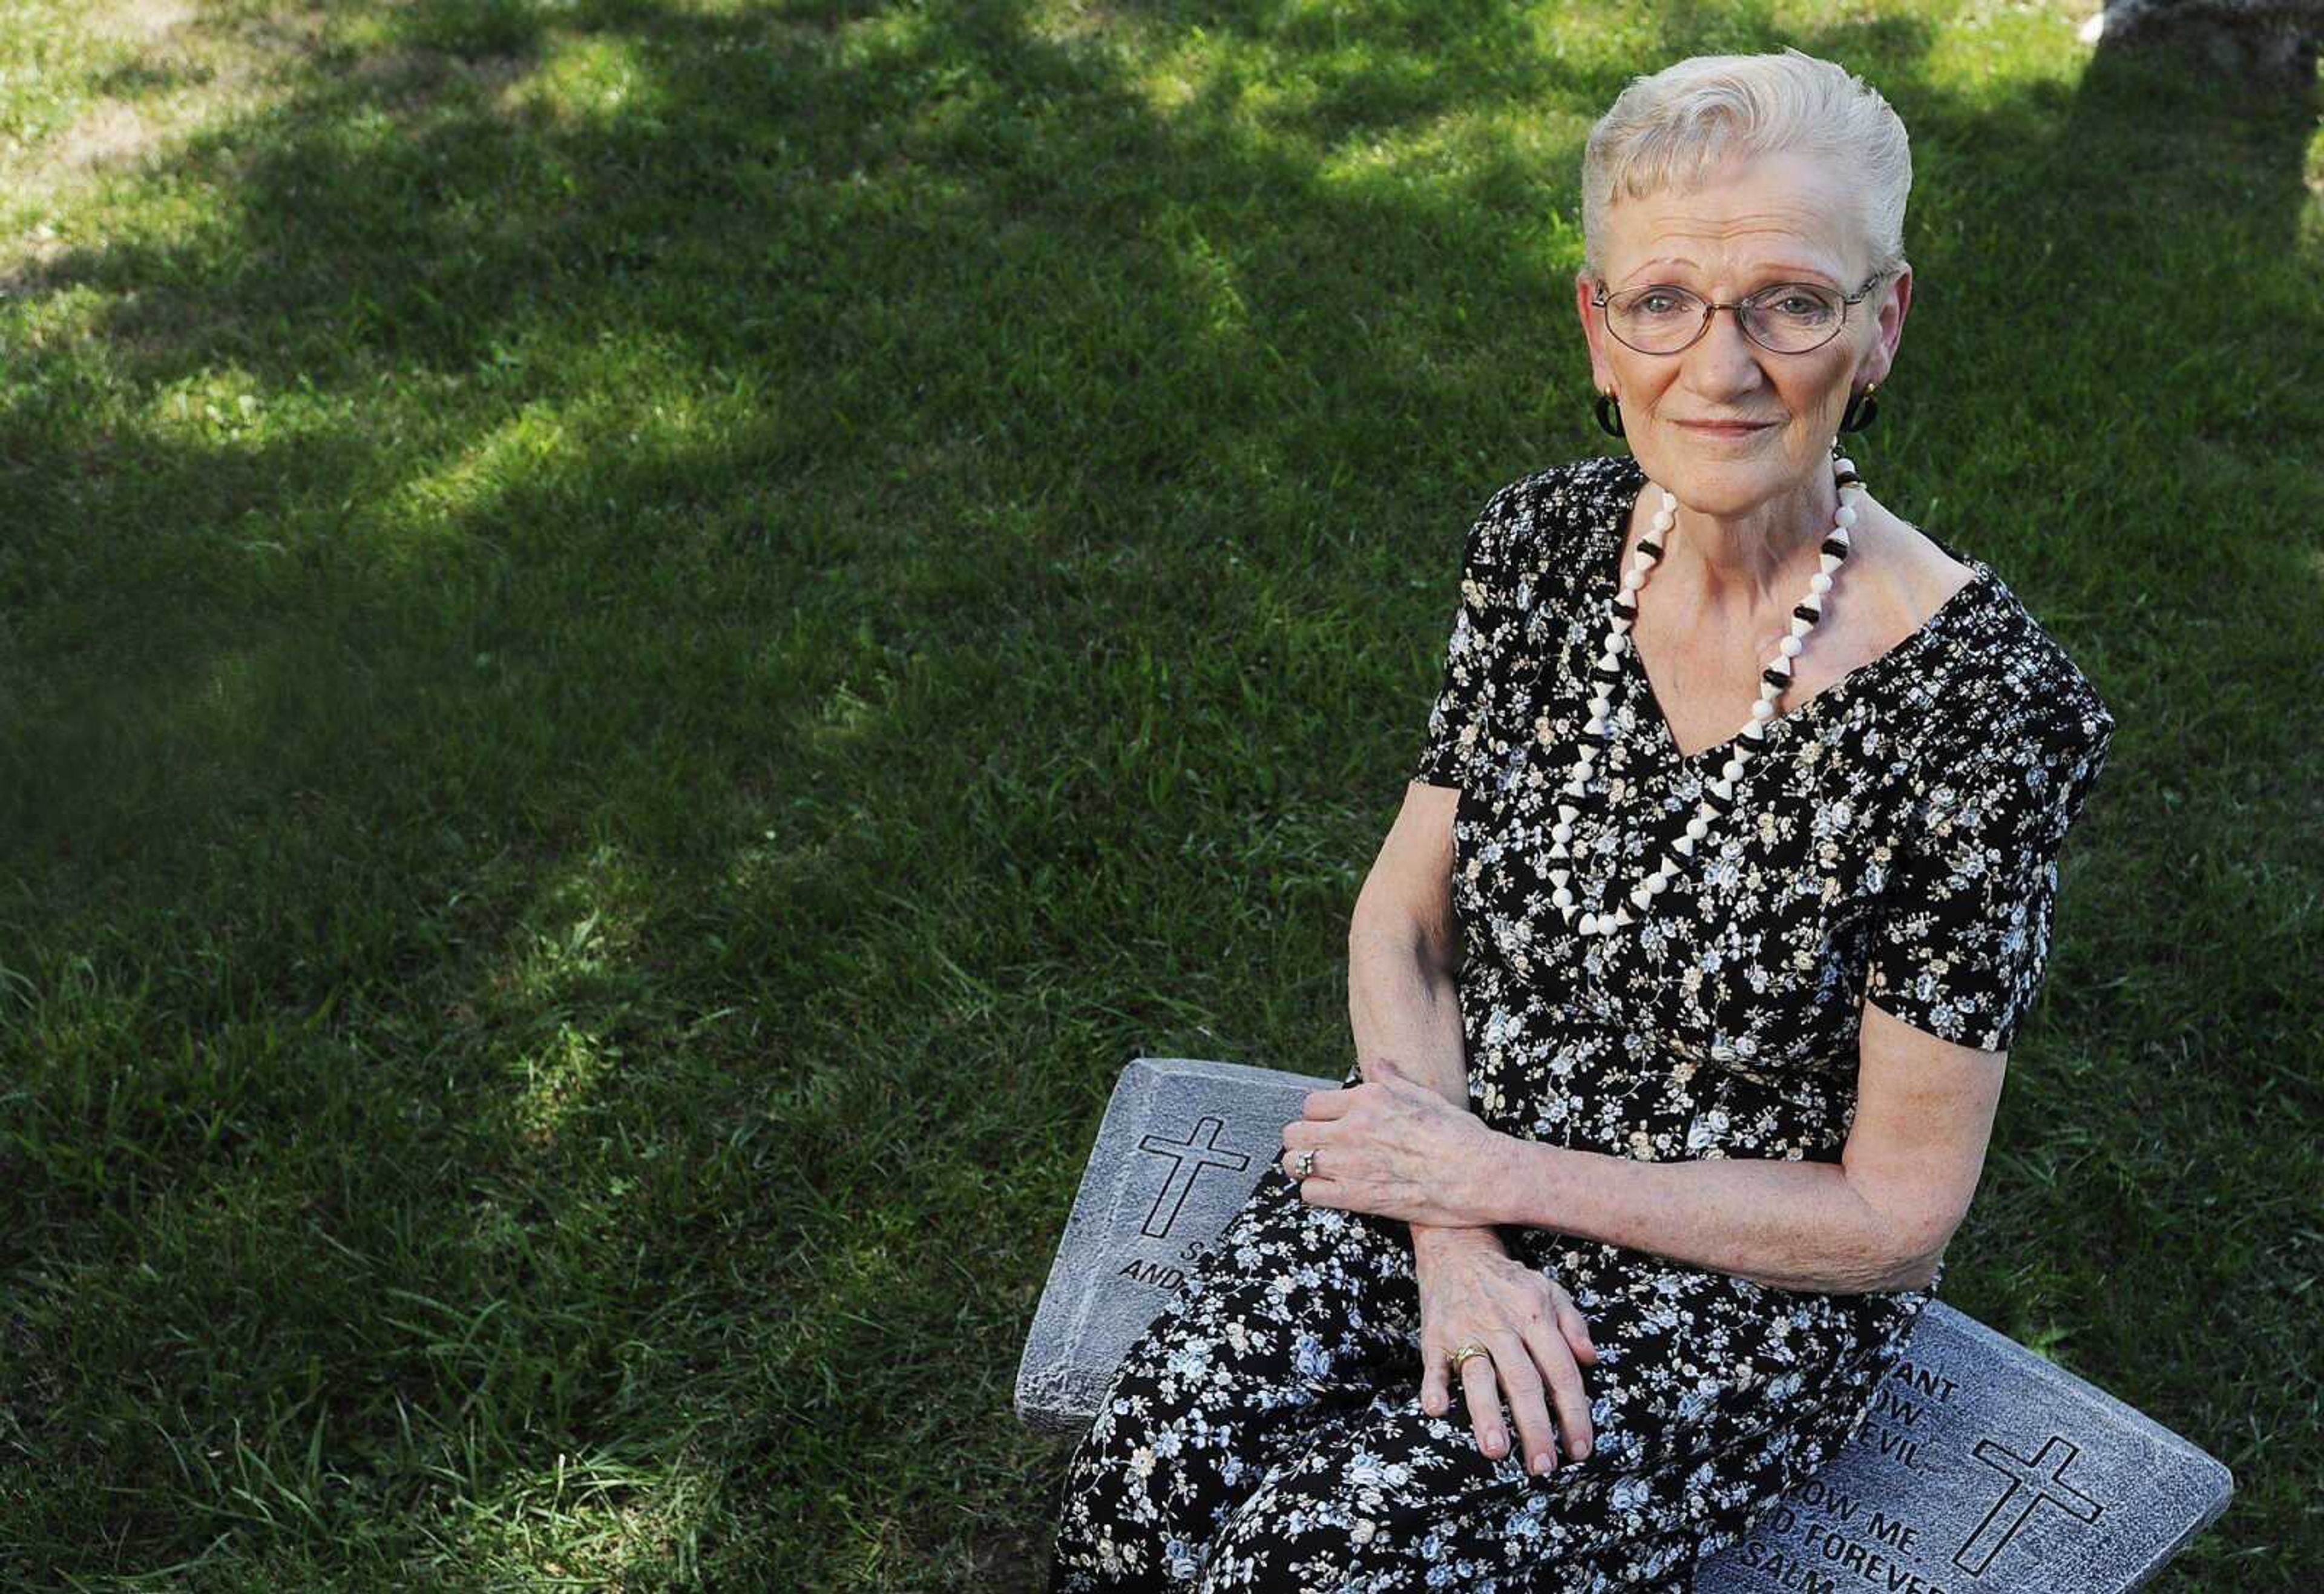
[
  {"x": 1978, "y": 1466},
  {"x": 1181, "y": 1145}
]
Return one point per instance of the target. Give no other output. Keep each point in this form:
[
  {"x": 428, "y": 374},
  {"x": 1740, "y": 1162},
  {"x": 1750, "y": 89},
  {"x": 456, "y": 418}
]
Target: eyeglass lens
[{"x": 1789, "y": 318}]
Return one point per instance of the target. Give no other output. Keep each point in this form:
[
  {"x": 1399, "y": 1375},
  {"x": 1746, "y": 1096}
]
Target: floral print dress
[{"x": 1895, "y": 840}]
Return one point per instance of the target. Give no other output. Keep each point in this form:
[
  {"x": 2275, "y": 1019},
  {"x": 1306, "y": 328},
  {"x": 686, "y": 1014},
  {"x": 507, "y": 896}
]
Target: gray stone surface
[
  {"x": 1979, "y": 1465},
  {"x": 1181, "y": 1145},
  {"x": 2257, "y": 43}
]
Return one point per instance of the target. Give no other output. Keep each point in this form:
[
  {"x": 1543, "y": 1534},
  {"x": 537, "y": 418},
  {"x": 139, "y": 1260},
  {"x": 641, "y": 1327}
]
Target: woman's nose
[
  {"x": 1724, "y": 338},
  {"x": 1724, "y": 362}
]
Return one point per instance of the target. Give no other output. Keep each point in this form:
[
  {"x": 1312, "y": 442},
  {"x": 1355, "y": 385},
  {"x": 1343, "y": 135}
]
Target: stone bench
[{"x": 1980, "y": 1466}]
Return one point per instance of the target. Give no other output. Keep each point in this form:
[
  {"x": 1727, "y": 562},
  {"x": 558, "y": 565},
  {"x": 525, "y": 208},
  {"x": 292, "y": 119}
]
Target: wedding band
[
  {"x": 1307, "y": 1163},
  {"x": 1464, "y": 1353}
]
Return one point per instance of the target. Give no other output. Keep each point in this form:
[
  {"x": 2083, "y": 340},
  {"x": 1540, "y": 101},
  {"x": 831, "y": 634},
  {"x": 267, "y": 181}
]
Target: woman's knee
[
  {"x": 1393, "y": 1490},
  {"x": 1269, "y": 1545},
  {"x": 1167, "y": 1456},
  {"x": 1126, "y": 1517}
]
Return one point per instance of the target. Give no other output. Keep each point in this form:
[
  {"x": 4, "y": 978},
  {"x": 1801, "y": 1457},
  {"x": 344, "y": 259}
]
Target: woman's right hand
[{"x": 1472, "y": 1290}]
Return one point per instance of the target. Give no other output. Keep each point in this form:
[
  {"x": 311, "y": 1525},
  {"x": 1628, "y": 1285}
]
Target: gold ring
[{"x": 1464, "y": 1353}]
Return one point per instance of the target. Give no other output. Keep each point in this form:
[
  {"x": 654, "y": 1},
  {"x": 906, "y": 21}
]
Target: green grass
[{"x": 639, "y": 642}]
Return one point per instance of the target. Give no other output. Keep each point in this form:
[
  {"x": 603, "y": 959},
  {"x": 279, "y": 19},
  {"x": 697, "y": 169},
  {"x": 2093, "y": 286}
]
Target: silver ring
[{"x": 1307, "y": 1163}]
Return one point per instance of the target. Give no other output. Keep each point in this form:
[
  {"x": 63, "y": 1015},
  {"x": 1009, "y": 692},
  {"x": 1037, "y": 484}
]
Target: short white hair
[{"x": 1668, "y": 131}]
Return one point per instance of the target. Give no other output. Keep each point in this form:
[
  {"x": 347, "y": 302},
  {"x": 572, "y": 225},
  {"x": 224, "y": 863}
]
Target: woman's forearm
[
  {"x": 1404, "y": 1003},
  {"x": 1794, "y": 1225}
]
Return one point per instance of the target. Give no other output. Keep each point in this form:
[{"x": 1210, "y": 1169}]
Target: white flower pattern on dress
[{"x": 1898, "y": 838}]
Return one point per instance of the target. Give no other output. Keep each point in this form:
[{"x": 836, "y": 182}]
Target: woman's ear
[
  {"x": 1585, "y": 288},
  {"x": 1896, "y": 298}
]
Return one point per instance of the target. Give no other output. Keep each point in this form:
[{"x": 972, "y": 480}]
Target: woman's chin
[{"x": 1714, "y": 482}]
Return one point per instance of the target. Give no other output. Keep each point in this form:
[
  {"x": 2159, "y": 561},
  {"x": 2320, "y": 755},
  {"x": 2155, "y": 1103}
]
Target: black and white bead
[{"x": 1719, "y": 795}]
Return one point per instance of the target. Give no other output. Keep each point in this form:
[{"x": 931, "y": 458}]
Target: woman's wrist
[{"x": 1433, "y": 1239}]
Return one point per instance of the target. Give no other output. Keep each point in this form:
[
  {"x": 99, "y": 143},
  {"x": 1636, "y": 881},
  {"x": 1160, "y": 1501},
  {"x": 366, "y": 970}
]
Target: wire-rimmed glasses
[{"x": 1784, "y": 317}]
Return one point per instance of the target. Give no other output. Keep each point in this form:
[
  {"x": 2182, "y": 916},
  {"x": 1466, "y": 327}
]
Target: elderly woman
[{"x": 1682, "y": 985}]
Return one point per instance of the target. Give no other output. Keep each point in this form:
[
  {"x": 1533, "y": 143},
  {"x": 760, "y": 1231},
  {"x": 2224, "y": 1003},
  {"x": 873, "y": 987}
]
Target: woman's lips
[{"x": 1727, "y": 428}]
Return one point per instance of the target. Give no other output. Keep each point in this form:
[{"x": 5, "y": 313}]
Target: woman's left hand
[{"x": 1393, "y": 1148}]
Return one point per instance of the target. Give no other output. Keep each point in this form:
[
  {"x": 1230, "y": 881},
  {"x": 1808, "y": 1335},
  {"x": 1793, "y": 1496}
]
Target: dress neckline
[{"x": 1620, "y": 500}]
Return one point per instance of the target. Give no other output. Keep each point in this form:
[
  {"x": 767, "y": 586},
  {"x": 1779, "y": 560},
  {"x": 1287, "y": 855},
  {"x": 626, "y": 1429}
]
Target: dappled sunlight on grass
[
  {"x": 1430, "y": 163},
  {"x": 559, "y": 1079},
  {"x": 579, "y": 937},
  {"x": 1176, "y": 75},
  {"x": 1997, "y": 50},
  {"x": 536, "y": 445},
  {"x": 152, "y": 74},
  {"x": 846, "y": 717},
  {"x": 220, "y": 408},
  {"x": 600, "y": 1518},
  {"x": 1206, "y": 278},
  {"x": 591, "y": 80}
]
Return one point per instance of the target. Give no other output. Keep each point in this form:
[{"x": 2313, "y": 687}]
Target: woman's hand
[
  {"x": 1393, "y": 1148},
  {"x": 1471, "y": 1291}
]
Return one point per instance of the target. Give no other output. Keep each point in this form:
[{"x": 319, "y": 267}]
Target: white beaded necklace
[{"x": 1719, "y": 796}]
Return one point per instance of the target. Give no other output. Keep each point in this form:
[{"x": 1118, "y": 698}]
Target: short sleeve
[
  {"x": 1481, "y": 627},
  {"x": 1964, "y": 935}
]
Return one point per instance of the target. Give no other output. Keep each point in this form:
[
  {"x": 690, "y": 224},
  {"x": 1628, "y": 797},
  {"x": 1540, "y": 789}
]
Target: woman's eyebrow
[
  {"x": 1803, "y": 274},
  {"x": 1775, "y": 271}
]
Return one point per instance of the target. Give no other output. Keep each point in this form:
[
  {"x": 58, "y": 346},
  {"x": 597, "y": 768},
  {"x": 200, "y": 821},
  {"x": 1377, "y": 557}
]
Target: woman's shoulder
[
  {"x": 1540, "y": 522},
  {"x": 1577, "y": 492},
  {"x": 2014, "y": 689}
]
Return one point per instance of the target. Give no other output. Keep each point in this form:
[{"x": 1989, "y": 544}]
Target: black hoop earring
[
  {"x": 1609, "y": 414},
  {"x": 1861, "y": 408}
]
